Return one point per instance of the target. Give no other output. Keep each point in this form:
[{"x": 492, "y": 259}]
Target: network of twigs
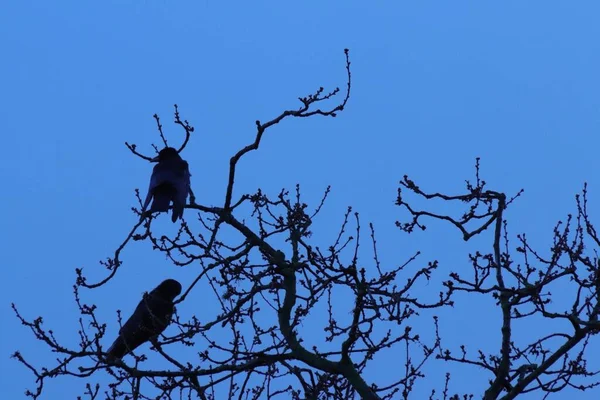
[{"x": 269, "y": 278}]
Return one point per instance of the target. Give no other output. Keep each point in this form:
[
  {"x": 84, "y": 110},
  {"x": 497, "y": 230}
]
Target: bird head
[
  {"x": 168, "y": 153},
  {"x": 168, "y": 289}
]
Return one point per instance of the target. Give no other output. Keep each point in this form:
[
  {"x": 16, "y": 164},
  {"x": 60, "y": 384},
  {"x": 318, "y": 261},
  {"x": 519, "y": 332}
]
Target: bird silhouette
[
  {"x": 150, "y": 318},
  {"x": 170, "y": 182}
]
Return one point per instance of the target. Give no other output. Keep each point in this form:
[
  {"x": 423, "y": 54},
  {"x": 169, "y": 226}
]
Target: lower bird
[
  {"x": 169, "y": 183},
  {"x": 150, "y": 318}
]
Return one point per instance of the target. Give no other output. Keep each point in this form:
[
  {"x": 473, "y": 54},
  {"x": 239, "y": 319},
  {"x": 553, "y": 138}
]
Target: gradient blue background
[{"x": 436, "y": 84}]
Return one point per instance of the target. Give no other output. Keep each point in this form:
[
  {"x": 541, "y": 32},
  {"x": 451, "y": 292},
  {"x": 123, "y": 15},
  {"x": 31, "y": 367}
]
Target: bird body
[
  {"x": 169, "y": 183},
  {"x": 150, "y": 318}
]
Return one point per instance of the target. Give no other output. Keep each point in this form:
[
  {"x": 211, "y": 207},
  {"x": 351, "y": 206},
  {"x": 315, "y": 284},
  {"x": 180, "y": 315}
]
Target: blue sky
[{"x": 434, "y": 86}]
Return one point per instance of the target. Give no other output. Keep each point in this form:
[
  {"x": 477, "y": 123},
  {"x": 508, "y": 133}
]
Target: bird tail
[
  {"x": 118, "y": 348},
  {"x": 163, "y": 195},
  {"x": 179, "y": 198},
  {"x": 161, "y": 202},
  {"x": 177, "y": 211}
]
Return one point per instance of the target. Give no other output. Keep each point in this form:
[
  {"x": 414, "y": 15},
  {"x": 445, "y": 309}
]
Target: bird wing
[
  {"x": 154, "y": 178},
  {"x": 182, "y": 189},
  {"x": 183, "y": 181},
  {"x": 163, "y": 173},
  {"x": 150, "y": 318},
  {"x": 132, "y": 333}
]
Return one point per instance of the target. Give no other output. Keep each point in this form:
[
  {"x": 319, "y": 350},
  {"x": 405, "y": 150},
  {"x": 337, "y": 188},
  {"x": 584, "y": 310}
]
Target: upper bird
[
  {"x": 150, "y": 318},
  {"x": 170, "y": 182}
]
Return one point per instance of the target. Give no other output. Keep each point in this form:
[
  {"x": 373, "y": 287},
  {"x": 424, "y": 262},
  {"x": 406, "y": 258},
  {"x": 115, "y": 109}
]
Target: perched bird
[
  {"x": 170, "y": 182},
  {"x": 150, "y": 318}
]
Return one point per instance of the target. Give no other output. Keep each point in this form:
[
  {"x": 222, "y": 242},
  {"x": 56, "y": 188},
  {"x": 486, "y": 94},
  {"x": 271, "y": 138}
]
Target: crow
[
  {"x": 170, "y": 182},
  {"x": 150, "y": 318}
]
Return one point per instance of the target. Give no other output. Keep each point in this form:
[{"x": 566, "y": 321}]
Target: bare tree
[{"x": 256, "y": 253}]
